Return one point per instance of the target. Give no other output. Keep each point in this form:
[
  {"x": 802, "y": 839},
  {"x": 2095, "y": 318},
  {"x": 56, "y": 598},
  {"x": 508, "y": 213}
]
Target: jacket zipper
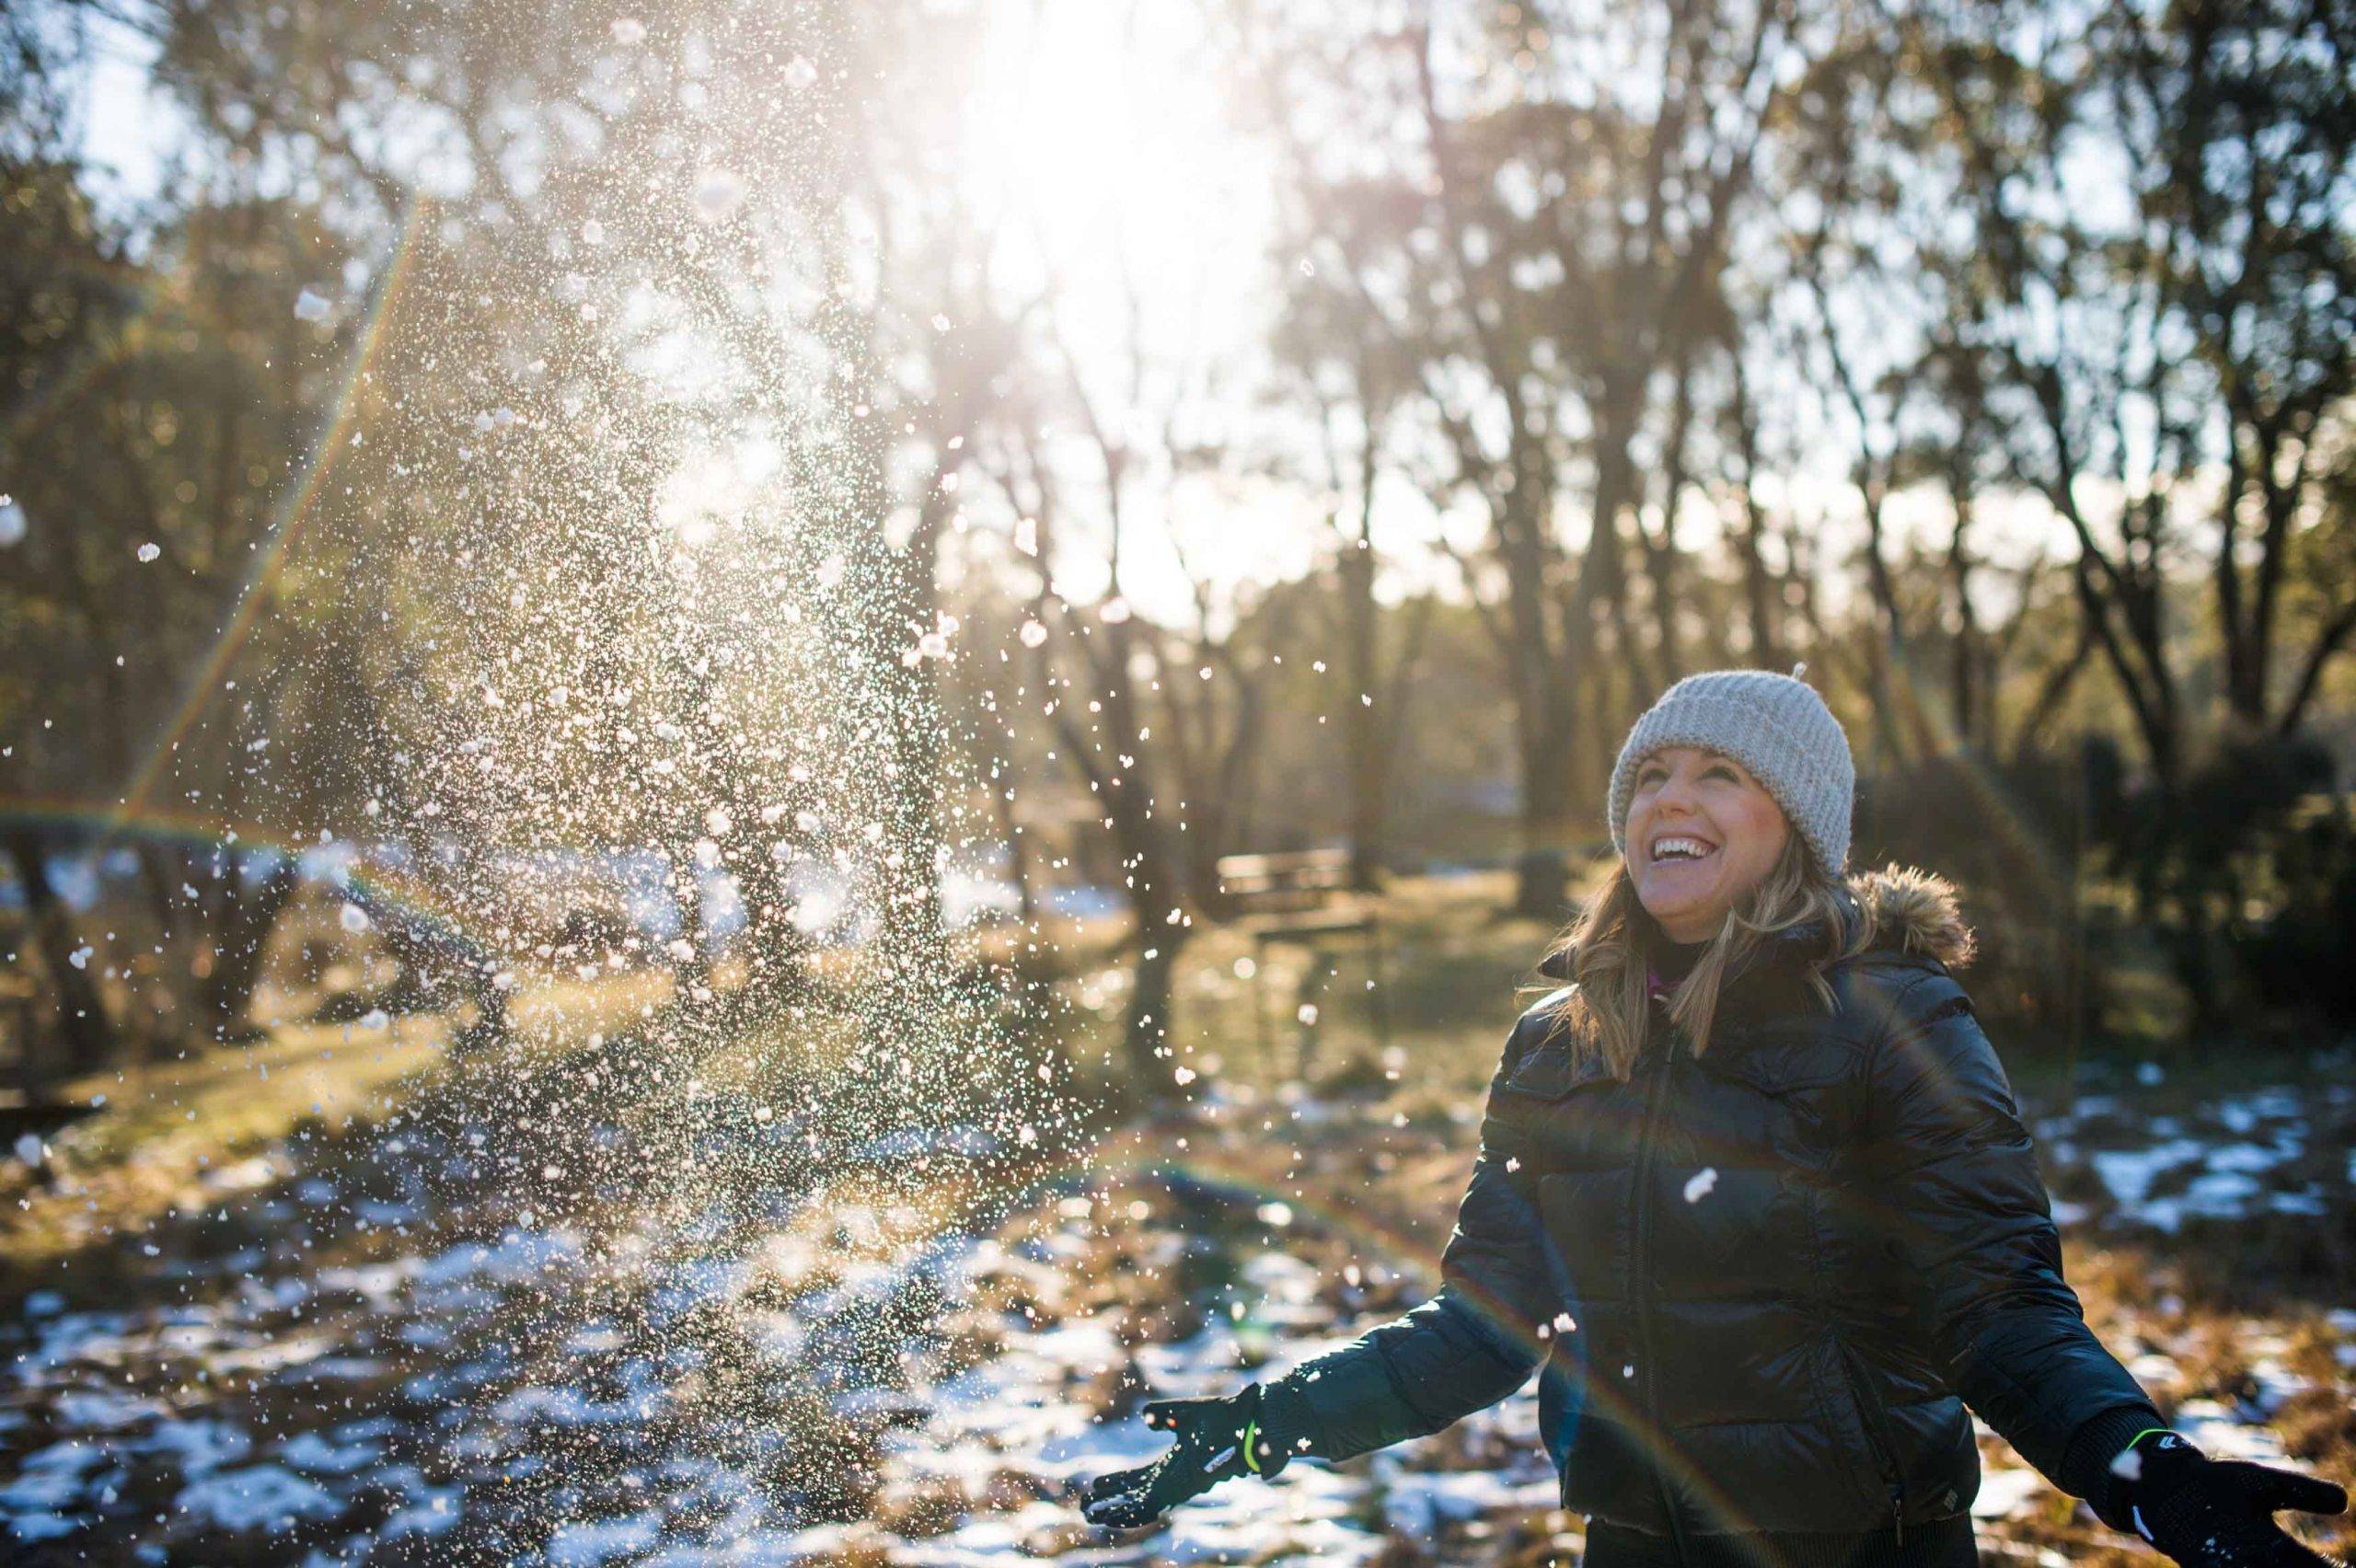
[
  {"x": 1877, "y": 1433},
  {"x": 1644, "y": 1281}
]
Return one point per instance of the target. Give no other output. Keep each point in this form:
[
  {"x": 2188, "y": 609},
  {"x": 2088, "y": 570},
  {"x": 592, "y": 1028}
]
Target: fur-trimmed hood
[
  {"x": 1913, "y": 916},
  {"x": 1914, "y": 911}
]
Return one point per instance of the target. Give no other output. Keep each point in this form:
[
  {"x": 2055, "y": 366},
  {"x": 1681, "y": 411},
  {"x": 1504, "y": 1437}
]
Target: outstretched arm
[
  {"x": 1470, "y": 1347},
  {"x": 1472, "y": 1343},
  {"x": 1969, "y": 1210}
]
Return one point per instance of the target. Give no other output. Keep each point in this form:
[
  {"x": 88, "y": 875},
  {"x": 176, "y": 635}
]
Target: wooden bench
[
  {"x": 1301, "y": 898},
  {"x": 1300, "y": 879}
]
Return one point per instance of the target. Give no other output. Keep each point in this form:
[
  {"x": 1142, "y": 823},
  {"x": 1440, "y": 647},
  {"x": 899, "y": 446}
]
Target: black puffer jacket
[{"x": 1763, "y": 1284}]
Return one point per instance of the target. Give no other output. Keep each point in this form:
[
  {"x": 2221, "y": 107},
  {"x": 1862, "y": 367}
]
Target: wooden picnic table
[{"x": 1301, "y": 898}]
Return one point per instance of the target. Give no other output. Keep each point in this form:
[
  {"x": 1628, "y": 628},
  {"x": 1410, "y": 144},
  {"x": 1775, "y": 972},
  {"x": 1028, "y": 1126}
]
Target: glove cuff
[
  {"x": 1288, "y": 1427},
  {"x": 2086, "y": 1464},
  {"x": 2153, "y": 1478}
]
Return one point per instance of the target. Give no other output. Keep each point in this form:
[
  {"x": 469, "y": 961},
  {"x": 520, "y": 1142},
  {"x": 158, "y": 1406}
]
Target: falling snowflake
[{"x": 719, "y": 192}]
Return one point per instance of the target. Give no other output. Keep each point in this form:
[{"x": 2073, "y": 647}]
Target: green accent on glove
[{"x": 1215, "y": 1442}]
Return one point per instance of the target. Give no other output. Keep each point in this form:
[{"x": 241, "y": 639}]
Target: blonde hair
[{"x": 1605, "y": 953}]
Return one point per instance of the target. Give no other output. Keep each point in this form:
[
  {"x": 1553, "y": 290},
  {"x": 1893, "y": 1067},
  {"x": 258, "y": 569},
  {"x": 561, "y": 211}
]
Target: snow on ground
[
  {"x": 2239, "y": 1155},
  {"x": 368, "y": 1366}
]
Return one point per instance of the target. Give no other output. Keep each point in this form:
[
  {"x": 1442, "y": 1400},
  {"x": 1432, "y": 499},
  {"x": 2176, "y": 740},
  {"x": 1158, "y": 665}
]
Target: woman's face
[{"x": 1701, "y": 834}]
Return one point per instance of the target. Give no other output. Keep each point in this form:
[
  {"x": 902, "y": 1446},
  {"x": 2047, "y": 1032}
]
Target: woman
[{"x": 1753, "y": 1194}]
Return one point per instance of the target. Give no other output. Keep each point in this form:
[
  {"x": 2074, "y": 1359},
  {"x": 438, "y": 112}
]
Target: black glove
[
  {"x": 2208, "y": 1513},
  {"x": 1217, "y": 1439}
]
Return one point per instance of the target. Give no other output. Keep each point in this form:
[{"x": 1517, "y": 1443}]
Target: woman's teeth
[{"x": 1678, "y": 848}]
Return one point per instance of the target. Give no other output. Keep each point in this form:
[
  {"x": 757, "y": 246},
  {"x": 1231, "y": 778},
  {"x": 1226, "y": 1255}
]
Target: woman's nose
[{"x": 1674, "y": 795}]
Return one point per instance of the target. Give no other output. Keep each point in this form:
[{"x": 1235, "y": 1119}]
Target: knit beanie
[{"x": 1774, "y": 725}]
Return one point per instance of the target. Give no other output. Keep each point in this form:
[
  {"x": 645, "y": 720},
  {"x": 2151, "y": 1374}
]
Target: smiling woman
[
  {"x": 1771, "y": 1236},
  {"x": 1701, "y": 833},
  {"x": 1730, "y": 805}
]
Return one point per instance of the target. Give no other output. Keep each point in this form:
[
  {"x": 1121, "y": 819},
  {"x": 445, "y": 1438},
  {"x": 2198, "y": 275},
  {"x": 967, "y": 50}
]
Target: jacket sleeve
[
  {"x": 1958, "y": 1174},
  {"x": 1469, "y": 1346}
]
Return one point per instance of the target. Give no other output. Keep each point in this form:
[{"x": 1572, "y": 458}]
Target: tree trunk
[
  {"x": 1973, "y": 716},
  {"x": 240, "y": 941},
  {"x": 1361, "y": 721},
  {"x": 1145, "y": 1036},
  {"x": 1603, "y": 577},
  {"x": 1546, "y": 796},
  {"x": 914, "y": 930},
  {"x": 82, "y": 1026},
  {"x": 1000, "y": 790},
  {"x": 1757, "y": 583},
  {"x": 1660, "y": 552},
  {"x": 774, "y": 947},
  {"x": 691, "y": 948}
]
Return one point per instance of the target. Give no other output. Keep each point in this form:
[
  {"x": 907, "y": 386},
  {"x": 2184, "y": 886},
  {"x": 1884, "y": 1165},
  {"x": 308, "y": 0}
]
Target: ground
[{"x": 451, "y": 1315}]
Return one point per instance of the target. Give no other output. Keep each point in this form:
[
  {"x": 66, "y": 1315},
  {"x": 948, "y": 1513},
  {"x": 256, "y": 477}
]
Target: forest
[{"x": 754, "y": 752}]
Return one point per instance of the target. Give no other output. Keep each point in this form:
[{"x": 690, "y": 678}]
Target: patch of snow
[
  {"x": 582, "y": 1545},
  {"x": 200, "y": 1446},
  {"x": 2004, "y": 1493},
  {"x": 104, "y": 1409},
  {"x": 51, "y": 1479},
  {"x": 2129, "y": 1172},
  {"x": 437, "y": 1512},
  {"x": 29, "y": 1528},
  {"x": 567, "y": 1407},
  {"x": 309, "y": 1451},
  {"x": 1418, "y": 1504},
  {"x": 261, "y": 1497}
]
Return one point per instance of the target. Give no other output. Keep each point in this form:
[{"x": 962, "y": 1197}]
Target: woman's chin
[
  {"x": 1667, "y": 891},
  {"x": 1676, "y": 910}
]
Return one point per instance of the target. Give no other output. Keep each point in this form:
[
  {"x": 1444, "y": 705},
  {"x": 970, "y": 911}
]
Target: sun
[
  {"x": 1105, "y": 137},
  {"x": 1106, "y": 155}
]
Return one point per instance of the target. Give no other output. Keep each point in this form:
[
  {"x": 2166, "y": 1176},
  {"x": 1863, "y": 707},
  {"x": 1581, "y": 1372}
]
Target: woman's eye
[{"x": 1720, "y": 772}]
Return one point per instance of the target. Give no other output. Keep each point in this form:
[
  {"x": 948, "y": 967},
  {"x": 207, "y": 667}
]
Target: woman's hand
[
  {"x": 2208, "y": 1513},
  {"x": 1218, "y": 1438}
]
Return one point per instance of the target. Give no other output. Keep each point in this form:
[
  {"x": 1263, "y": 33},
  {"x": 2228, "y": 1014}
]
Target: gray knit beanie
[{"x": 1774, "y": 725}]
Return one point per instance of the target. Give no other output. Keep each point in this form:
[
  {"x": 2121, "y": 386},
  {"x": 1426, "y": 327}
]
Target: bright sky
[
  {"x": 1111, "y": 152},
  {"x": 1113, "y": 141},
  {"x": 1111, "y": 147},
  {"x": 127, "y": 127}
]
